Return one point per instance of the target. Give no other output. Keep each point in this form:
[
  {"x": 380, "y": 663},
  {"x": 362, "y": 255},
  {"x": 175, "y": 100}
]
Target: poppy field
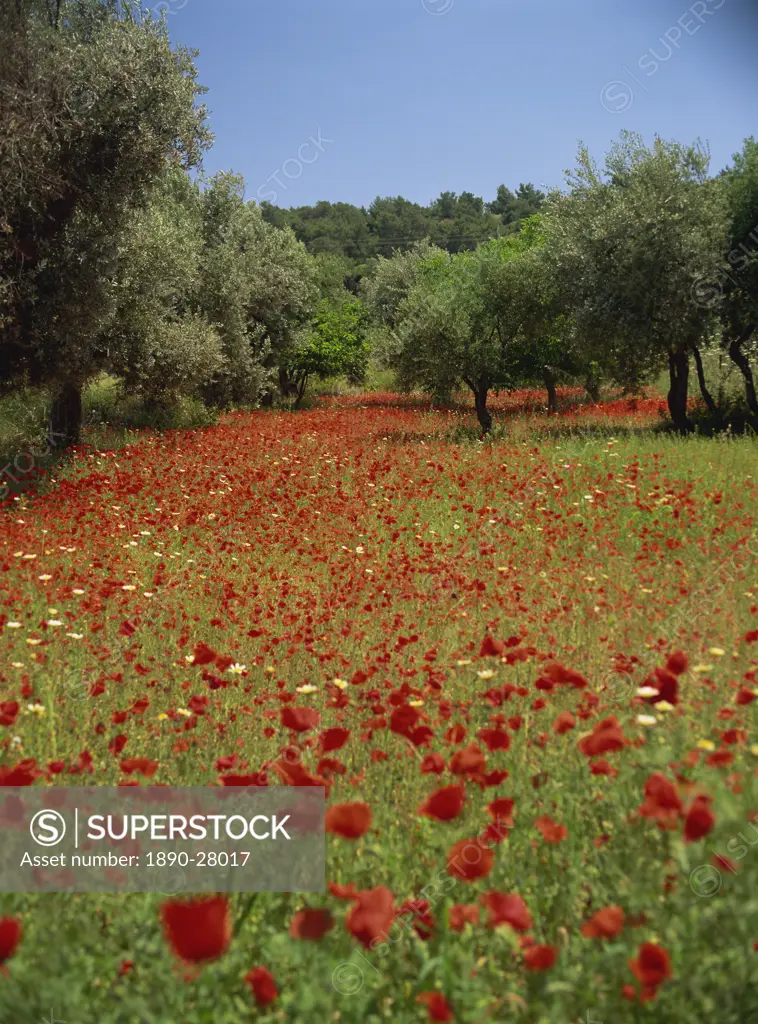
[{"x": 524, "y": 670}]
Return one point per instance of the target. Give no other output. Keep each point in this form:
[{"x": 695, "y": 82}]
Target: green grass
[{"x": 341, "y": 532}]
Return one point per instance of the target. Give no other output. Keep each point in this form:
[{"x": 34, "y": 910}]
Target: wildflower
[
  {"x": 11, "y": 931},
  {"x": 652, "y": 965},
  {"x": 371, "y": 916},
  {"x": 443, "y": 804},
  {"x": 341, "y": 684},
  {"x": 437, "y": 1007},
  {"x": 262, "y": 985},
  {"x": 647, "y": 691},
  {"x": 707, "y": 745},
  {"x": 307, "y": 688},
  {"x": 699, "y": 821},
  {"x": 470, "y": 859},
  {"x": 36, "y": 709},
  {"x": 349, "y": 820},
  {"x": 198, "y": 930},
  {"x": 540, "y": 958},
  {"x": 237, "y": 669},
  {"x": 300, "y": 719},
  {"x": 647, "y": 719},
  {"x": 311, "y": 924},
  {"x": 604, "y": 924},
  {"x": 507, "y": 909},
  {"x": 485, "y": 673}
]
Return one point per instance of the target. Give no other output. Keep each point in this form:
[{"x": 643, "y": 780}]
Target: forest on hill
[{"x": 452, "y": 222}]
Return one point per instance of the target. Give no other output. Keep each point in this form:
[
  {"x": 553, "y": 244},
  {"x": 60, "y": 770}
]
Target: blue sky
[{"x": 413, "y": 97}]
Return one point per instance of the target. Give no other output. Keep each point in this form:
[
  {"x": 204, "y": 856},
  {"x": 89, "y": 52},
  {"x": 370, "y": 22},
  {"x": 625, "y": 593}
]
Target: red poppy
[
  {"x": 8, "y": 711},
  {"x": 720, "y": 758},
  {"x": 605, "y": 923},
  {"x": 461, "y": 913},
  {"x": 437, "y": 1006},
  {"x": 311, "y": 924},
  {"x": 334, "y": 739},
  {"x": 470, "y": 859},
  {"x": 11, "y": 931},
  {"x": 662, "y": 802},
  {"x": 262, "y": 984},
  {"x": 502, "y": 810},
  {"x": 564, "y": 722},
  {"x": 350, "y": 821},
  {"x": 470, "y": 760},
  {"x": 604, "y": 738},
  {"x": 203, "y": 654},
  {"x": 421, "y": 914},
  {"x": 540, "y": 958},
  {"x": 560, "y": 674},
  {"x": 494, "y": 739},
  {"x": 677, "y": 663},
  {"x": 491, "y": 648},
  {"x": 552, "y": 831},
  {"x": 300, "y": 719},
  {"x": 699, "y": 821},
  {"x": 371, "y": 916},
  {"x": 443, "y": 804},
  {"x": 603, "y": 767},
  {"x": 234, "y": 779},
  {"x": 652, "y": 965},
  {"x": 198, "y": 930},
  {"x": 342, "y": 892},
  {"x": 140, "y": 765},
  {"x": 508, "y": 909},
  {"x": 667, "y": 685},
  {"x": 433, "y": 764},
  {"x": 23, "y": 774}
]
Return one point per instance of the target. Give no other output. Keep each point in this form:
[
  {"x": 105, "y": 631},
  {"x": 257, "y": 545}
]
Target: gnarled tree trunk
[
  {"x": 481, "y": 389},
  {"x": 592, "y": 386},
  {"x": 739, "y": 358},
  {"x": 65, "y": 427},
  {"x": 679, "y": 375},
  {"x": 707, "y": 396}
]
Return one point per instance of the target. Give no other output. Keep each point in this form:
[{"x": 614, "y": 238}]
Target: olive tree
[
  {"x": 628, "y": 244},
  {"x": 94, "y": 104}
]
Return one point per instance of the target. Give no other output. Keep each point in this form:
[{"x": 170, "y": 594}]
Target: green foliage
[
  {"x": 95, "y": 105},
  {"x": 627, "y": 245},
  {"x": 393, "y": 223},
  {"x": 336, "y": 345}
]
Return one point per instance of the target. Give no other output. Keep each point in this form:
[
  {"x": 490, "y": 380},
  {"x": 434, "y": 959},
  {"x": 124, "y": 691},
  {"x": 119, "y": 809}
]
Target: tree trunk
[
  {"x": 287, "y": 384},
  {"x": 592, "y": 386},
  {"x": 707, "y": 396},
  {"x": 552, "y": 397},
  {"x": 480, "y": 403},
  {"x": 301, "y": 391},
  {"x": 679, "y": 375},
  {"x": 741, "y": 360},
  {"x": 65, "y": 426}
]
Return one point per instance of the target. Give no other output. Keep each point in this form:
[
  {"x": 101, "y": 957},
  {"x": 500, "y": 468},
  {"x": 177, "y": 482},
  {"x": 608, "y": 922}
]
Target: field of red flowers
[{"x": 524, "y": 670}]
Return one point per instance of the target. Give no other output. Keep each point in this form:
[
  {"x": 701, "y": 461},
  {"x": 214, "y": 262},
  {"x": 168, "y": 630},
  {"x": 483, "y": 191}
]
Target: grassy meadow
[{"x": 471, "y": 622}]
